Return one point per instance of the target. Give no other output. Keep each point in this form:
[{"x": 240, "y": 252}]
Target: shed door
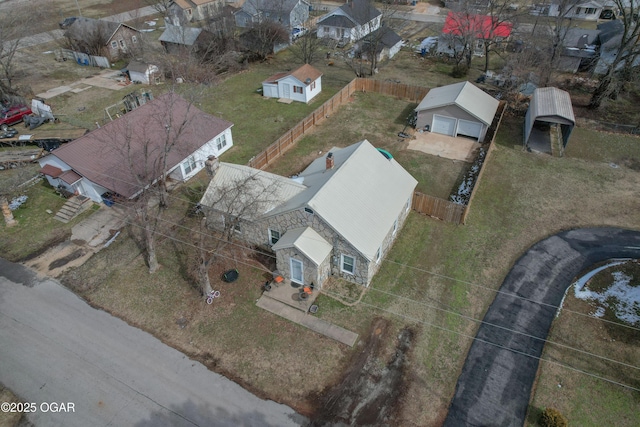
[
  {"x": 296, "y": 271},
  {"x": 472, "y": 129},
  {"x": 443, "y": 125},
  {"x": 286, "y": 90}
]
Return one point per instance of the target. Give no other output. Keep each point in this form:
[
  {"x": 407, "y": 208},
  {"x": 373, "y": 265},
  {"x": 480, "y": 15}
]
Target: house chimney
[
  {"x": 211, "y": 165},
  {"x": 329, "y": 161}
]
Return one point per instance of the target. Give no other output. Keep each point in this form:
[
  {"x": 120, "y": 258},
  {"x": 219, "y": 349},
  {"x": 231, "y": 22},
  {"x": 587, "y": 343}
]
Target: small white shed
[
  {"x": 142, "y": 72},
  {"x": 300, "y": 85}
]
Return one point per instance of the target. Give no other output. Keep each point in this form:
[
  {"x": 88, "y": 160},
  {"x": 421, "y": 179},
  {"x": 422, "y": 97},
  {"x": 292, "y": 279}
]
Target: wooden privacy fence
[
  {"x": 286, "y": 141},
  {"x": 438, "y": 208}
]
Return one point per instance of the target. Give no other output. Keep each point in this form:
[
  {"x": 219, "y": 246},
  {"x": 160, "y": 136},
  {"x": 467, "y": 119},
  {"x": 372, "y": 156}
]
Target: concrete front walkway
[{"x": 308, "y": 321}]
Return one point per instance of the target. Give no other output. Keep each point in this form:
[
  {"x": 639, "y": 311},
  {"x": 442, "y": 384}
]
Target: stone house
[{"x": 338, "y": 218}]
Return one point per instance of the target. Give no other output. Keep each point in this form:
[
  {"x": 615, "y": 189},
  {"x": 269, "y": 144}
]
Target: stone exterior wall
[
  {"x": 311, "y": 273},
  {"x": 257, "y": 233}
]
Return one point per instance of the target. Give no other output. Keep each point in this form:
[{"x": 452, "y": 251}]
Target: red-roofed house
[
  {"x": 301, "y": 85},
  {"x": 126, "y": 154},
  {"x": 462, "y": 28}
]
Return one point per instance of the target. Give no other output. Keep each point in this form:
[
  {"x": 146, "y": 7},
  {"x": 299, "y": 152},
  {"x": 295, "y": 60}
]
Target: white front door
[
  {"x": 296, "y": 271},
  {"x": 286, "y": 90}
]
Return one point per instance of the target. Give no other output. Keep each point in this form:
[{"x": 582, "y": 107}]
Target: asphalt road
[
  {"x": 56, "y": 348},
  {"x": 494, "y": 387}
]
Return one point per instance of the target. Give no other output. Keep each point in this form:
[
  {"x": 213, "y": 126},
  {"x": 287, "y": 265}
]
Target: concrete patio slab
[{"x": 463, "y": 149}]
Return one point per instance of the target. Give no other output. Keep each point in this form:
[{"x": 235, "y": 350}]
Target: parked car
[
  {"x": 298, "y": 32},
  {"x": 13, "y": 115}
]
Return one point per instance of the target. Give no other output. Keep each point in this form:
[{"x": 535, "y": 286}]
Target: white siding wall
[
  {"x": 200, "y": 156},
  {"x": 311, "y": 93},
  {"x": 270, "y": 90},
  {"x": 293, "y": 82}
]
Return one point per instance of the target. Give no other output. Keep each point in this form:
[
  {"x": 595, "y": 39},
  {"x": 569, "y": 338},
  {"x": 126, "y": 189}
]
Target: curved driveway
[{"x": 494, "y": 387}]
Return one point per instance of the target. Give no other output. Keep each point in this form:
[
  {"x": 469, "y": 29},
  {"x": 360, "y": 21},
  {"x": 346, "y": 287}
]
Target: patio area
[
  {"x": 290, "y": 294},
  {"x": 455, "y": 148}
]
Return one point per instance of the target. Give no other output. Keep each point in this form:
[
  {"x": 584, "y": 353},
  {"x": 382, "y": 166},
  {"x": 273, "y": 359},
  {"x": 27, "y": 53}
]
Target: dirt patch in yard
[{"x": 373, "y": 385}]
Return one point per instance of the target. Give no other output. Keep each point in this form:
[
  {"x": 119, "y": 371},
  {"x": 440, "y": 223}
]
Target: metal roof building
[
  {"x": 457, "y": 109},
  {"x": 549, "y": 105}
]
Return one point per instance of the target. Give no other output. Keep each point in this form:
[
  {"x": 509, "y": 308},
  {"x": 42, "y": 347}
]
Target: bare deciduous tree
[
  {"x": 231, "y": 209},
  {"x": 16, "y": 23},
  {"x": 624, "y": 56}
]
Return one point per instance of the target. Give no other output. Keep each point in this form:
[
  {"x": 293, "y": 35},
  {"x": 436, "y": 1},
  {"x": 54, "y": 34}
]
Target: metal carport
[{"x": 549, "y": 105}]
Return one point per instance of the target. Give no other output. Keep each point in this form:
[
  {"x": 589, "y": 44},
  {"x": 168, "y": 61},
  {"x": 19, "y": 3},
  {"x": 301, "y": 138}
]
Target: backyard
[{"x": 410, "y": 320}]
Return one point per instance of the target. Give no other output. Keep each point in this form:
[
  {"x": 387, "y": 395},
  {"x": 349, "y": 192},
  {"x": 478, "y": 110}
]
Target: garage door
[
  {"x": 443, "y": 125},
  {"x": 472, "y": 129}
]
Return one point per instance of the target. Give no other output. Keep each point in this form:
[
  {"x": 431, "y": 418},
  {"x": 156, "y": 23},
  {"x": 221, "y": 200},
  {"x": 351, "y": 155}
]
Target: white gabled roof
[
  {"x": 307, "y": 241},
  {"x": 465, "y": 95},
  {"x": 360, "y": 198},
  {"x": 234, "y": 188}
]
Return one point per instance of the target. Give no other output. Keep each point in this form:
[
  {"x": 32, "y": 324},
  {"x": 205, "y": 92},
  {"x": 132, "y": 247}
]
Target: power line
[
  {"x": 473, "y": 319},
  {"x": 433, "y": 325},
  {"x": 540, "y": 358}
]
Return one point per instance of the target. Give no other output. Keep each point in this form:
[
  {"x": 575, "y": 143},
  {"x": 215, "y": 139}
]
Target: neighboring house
[
  {"x": 550, "y": 110},
  {"x": 181, "y": 12},
  {"x": 463, "y": 28},
  {"x": 384, "y": 41},
  {"x": 301, "y": 85},
  {"x": 460, "y": 109},
  {"x": 142, "y": 72},
  {"x": 288, "y": 13},
  {"x": 177, "y": 39},
  {"x": 579, "y": 50},
  {"x": 609, "y": 40},
  {"x": 112, "y": 159},
  {"x": 470, "y": 6},
  {"x": 338, "y": 218},
  {"x": 103, "y": 38},
  {"x": 587, "y": 10},
  {"x": 350, "y": 22}
]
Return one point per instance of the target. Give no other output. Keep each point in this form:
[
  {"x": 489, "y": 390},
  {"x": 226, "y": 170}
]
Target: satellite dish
[{"x": 308, "y": 80}]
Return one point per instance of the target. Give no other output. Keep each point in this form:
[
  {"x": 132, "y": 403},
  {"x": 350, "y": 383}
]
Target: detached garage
[{"x": 460, "y": 109}]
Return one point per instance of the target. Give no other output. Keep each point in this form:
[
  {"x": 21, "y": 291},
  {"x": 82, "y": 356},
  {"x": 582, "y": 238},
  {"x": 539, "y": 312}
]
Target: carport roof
[
  {"x": 551, "y": 104},
  {"x": 465, "y": 95}
]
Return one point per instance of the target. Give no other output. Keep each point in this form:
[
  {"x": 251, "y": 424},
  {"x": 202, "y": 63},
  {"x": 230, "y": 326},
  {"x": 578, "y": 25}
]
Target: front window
[
  {"x": 134, "y": 39},
  {"x": 348, "y": 264},
  {"x": 122, "y": 43},
  {"x": 189, "y": 165},
  {"x": 221, "y": 141},
  {"x": 313, "y": 85},
  {"x": 378, "y": 255},
  {"x": 114, "y": 44},
  {"x": 297, "y": 89},
  {"x": 395, "y": 226},
  {"x": 590, "y": 11},
  {"x": 274, "y": 236}
]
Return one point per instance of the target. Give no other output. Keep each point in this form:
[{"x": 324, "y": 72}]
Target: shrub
[{"x": 551, "y": 417}]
